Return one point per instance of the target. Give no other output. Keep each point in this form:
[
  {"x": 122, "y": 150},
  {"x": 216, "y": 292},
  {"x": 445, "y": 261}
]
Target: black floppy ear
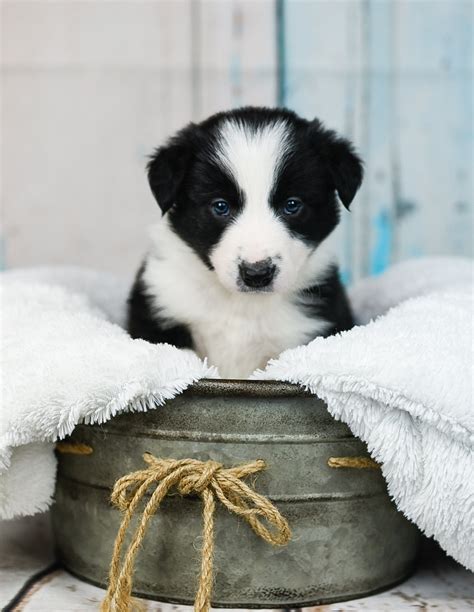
[
  {"x": 166, "y": 171},
  {"x": 344, "y": 165}
]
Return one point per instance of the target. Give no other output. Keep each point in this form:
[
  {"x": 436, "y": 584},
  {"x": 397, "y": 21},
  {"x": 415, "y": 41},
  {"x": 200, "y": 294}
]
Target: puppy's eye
[
  {"x": 292, "y": 206},
  {"x": 221, "y": 208}
]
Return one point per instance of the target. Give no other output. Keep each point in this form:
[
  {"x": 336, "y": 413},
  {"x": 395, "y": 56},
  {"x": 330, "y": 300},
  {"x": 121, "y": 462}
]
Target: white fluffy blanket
[{"x": 402, "y": 382}]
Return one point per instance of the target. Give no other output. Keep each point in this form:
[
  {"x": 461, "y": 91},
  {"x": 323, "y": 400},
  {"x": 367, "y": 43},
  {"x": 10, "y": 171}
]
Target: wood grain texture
[
  {"x": 236, "y": 54},
  {"x": 89, "y": 88},
  {"x": 434, "y": 102},
  {"x": 322, "y": 71},
  {"x": 395, "y": 77}
]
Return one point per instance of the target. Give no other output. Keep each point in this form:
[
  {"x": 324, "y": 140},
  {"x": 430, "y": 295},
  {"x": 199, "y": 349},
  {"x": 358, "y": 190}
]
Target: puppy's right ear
[{"x": 166, "y": 171}]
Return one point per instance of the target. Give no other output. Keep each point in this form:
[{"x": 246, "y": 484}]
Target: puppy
[{"x": 240, "y": 266}]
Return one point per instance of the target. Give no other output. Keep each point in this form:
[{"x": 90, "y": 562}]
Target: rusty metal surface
[{"x": 349, "y": 540}]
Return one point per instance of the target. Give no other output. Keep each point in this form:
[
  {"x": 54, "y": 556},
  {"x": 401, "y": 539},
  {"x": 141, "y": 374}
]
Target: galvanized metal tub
[{"x": 348, "y": 538}]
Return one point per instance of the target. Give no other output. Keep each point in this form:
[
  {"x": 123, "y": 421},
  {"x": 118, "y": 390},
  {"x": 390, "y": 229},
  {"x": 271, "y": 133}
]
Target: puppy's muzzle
[{"x": 257, "y": 275}]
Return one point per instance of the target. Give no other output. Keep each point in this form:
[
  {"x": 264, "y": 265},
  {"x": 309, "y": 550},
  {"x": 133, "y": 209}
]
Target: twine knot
[
  {"x": 200, "y": 479},
  {"x": 209, "y": 480}
]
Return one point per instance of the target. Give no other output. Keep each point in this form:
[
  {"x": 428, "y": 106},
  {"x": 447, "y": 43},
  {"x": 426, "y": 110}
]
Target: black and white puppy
[{"x": 241, "y": 266}]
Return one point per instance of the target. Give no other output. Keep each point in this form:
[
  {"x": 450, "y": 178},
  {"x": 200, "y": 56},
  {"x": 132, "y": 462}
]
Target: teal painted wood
[
  {"x": 396, "y": 78},
  {"x": 434, "y": 70},
  {"x": 323, "y": 58},
  {"x": 377, "y": 233}
]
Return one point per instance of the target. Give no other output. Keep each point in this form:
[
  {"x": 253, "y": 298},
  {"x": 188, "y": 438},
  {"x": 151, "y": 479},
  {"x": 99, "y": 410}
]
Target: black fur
[
  {"x": 143, "y": 321},
  {"x": 326, "y": 300},
  {"x": 184, "y": 178}
]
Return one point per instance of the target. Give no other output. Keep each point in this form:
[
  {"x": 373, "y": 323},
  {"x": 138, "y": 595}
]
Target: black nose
[{"x": 258, "y": 274}]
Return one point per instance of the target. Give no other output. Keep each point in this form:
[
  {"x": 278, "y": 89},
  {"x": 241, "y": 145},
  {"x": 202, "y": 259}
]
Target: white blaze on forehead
[{"x": 253, "y": 157}]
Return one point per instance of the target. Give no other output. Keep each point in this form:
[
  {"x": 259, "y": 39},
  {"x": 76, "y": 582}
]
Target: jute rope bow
[{"x": 209, "y": 480}]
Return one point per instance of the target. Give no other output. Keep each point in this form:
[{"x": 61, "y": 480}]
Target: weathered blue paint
[
  {"x": 462, "y": 230},
  {"x": 379, "y": 145},
  {"x": 319, "y": 78},
  {"x": 435, "y": 126},
  {"x": 397, "y": 78},
  {"x": 382, "y": 230},
  {"x": 346, "y": 276}
]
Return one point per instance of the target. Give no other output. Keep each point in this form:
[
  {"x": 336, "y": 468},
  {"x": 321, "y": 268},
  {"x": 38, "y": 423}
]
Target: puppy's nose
[{"x": 258, "y": 274}]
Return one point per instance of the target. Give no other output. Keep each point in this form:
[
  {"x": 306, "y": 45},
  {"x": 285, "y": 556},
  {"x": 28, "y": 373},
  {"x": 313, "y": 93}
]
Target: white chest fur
[
  {"x": 247, "y": 333},
  {"x": 238, "y": 332}
]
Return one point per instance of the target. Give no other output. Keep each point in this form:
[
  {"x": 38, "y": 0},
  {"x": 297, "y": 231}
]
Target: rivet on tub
[
  {"x": 353, "y": 462},
  {"x": 74, "y": 448}
]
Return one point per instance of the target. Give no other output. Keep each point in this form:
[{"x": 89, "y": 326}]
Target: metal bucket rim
[{"x": 248, "y": 388}]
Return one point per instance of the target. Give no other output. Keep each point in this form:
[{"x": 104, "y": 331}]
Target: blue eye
[
  {"x": 221, "y": 208},
  {"x": 292, "y": 206}
]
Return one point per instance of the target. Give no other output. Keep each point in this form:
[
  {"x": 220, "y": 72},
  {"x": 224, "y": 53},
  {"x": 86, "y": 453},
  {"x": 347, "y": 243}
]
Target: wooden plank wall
[
  {"x": 397, "y": 78},
  {"x": 89, "y": 88}
]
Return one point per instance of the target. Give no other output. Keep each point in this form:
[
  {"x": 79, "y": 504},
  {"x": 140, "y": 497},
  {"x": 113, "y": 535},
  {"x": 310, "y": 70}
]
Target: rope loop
[{"x": 208, "y": 479}]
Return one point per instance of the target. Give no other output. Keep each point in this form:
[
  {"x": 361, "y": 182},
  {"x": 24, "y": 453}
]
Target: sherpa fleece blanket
[{"x": 402, "y": 380}]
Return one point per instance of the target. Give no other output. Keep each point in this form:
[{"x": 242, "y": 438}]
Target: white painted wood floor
[{"x": 26, "y": 548}]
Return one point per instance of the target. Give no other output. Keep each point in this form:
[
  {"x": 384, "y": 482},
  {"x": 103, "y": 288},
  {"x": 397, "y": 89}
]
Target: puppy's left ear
[
  {"x": 166, "y": 171},
  {"x": 344, "y": 166}
]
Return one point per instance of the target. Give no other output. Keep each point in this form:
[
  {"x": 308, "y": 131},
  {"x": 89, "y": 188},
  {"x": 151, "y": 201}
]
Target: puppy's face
[{"x": 253, "y": 193}]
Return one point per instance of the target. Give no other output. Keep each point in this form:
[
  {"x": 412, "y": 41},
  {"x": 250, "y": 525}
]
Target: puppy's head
[{"x": 253, "y": 193}]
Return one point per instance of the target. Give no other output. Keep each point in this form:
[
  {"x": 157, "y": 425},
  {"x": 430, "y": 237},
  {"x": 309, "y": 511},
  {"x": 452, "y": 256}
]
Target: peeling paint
[
  {"x": 404, "y": 208},
  {"x": 381, "y": 254}
]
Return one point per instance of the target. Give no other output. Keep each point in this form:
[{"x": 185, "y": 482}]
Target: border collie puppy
[{"x": 240, "y": 267}]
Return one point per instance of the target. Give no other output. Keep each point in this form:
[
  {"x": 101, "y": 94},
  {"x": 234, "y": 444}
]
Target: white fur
[
  {"x": 403, "y": 384},
  {"x": 238, "y": 332},
  {"x": 253, "y": 158},
  {"x": 67, "y": 363}
]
